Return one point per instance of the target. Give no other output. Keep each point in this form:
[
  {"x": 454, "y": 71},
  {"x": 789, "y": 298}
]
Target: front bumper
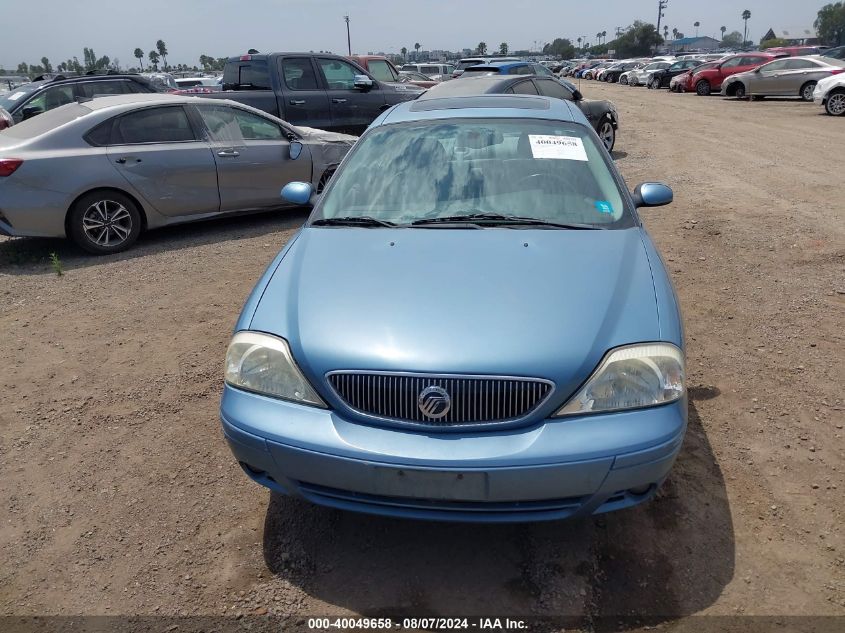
[{"x": 555, "y": 469}]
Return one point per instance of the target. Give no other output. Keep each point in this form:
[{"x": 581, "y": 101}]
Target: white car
[
  {"x": 642, "y": 77},
  {"x": 830, "y": 92}
]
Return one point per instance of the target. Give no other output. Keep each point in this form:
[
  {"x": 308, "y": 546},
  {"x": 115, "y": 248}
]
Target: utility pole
[
  {"x": 661, "y": 4},
  {"x": 348, "y": 40}
]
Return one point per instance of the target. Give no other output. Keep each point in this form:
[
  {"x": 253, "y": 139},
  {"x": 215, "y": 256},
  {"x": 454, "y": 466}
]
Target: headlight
[
  {"x": 263, "y": 364},
  {"x": 631, "y": 377}
]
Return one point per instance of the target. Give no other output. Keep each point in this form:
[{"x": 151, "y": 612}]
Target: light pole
[
  {"x": 661, "y": 4},
  {"x": 348, "y": 39}
]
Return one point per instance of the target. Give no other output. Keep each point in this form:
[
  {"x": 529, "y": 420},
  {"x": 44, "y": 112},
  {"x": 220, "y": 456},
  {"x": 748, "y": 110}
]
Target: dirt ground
[{"x": 118, "y": 494}]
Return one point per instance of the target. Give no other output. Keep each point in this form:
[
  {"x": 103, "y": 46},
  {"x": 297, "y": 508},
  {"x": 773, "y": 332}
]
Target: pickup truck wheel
[
  {"x": 104, "y": 222},
  {"x": 807, "y": 90},
  {"x": 835, "y": 104},
  {"x": 702, "y": 88}
]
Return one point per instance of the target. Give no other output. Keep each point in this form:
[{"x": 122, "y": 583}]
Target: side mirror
[
  {"x": 362, "y": 82},
  {"x": 295, "y": 150},
  {"x": 31, "y": 111},
  {"x": 298, "y": 193},
  {"x": 652, "y": 194}
]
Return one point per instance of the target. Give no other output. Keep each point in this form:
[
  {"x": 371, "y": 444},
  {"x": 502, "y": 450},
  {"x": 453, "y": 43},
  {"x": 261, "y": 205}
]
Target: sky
[{"x": 61, "y": 29}]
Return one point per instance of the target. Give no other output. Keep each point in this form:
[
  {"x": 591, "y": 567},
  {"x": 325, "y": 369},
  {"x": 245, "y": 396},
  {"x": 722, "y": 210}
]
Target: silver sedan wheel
[
  {"x": 836, "y": 104},
  {"x": 107, "y": 223},
  {"x": 807, "y": 91},
  {"x": 607, "y": 135}
]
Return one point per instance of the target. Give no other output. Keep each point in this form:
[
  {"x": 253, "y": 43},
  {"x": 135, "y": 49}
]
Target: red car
[{"x": 707, "y": 80}]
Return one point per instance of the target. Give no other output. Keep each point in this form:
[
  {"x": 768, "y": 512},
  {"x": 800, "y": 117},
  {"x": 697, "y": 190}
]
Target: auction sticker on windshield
[{"x": 557, "y": 147}]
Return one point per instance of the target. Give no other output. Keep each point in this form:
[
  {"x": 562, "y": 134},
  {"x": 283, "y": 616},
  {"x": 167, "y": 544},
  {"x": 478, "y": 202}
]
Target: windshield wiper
[
  {"x": 498, "y": 219},
  {"x": 361, "y": 220}
]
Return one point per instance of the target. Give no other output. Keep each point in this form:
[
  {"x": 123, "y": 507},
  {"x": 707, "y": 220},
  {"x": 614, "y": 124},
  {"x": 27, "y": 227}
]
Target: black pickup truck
[{"x": 316, "y": 90}]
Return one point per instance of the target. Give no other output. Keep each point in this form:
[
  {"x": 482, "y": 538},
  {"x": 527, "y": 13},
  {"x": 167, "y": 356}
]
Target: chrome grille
[{"x": 474, "y": 399}]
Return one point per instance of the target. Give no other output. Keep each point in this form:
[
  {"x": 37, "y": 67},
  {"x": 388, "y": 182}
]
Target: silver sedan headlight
[
  {"x": 631, "y": 377},
  {"x": 263, "y": 364}
]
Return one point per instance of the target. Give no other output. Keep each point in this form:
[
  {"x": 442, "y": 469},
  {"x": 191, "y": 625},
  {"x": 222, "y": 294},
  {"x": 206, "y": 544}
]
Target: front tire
[
  {"x": 702, "y": 88},
  {"x": 739, "y": 91},
  {"x": 655, "y": 84},
  {"x": 835, "y": 104},
  {"x": 607, "y": 133},
  {"x": 623, "y": 81},
  {"x": 104, "y": 222},
  {"x": 807, "y": 90}
]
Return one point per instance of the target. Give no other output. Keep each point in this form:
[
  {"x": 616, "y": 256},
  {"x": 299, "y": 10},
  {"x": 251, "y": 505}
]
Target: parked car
[
  {"x": 36, "y": 97},
  {"x": 193, "y": 82},
  {"x": 835, "y": 53},
  {"x": 436, "y": 71},
  {"x": 164, "y": 82},
  {"x": 102, "y": 171},
  {"x": 642, "y": 76},
  {"x": 10, "y": 82},
  {"x": 317, "y": 90},
  {"x": 624, "y": 77},
  {"x": 787, "y": 77},
  {"x": 466, "y": 62},
  {"x": 371, "y": 397},
  {"x": 591, "y": 73},
  {"x": 684, "y": 81},
  {"x": 613, "y": 75},
  {"x": 602, "y": 115},
  {"x": 797, "y": 51},
  {"x": 378, "y": 66},
  {"x": 830, "y": 93},
  {"x": 709, "y": 80},
  {"x": 662, "y": 78},
  {"x": 508, "y": 68},
  {"x": 418, "y": 79}
]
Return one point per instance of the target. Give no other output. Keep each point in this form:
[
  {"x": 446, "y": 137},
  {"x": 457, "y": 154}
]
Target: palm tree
[
  {"x": 746, "y": 15},
  {"x": 417, "y": 48},
  {"x": 723, "y": 29},
  {"x": 503, "y": 48},
  {"x": 161, "y": 47},
  {"x": 604, "y": 36},
  {"x": 404, "y": 53},
  {"x": 598, "y": 37},
  {"x": 674, "y": 33},
  {"x": 696, "y": 25},
  {"x": 482, "y": 48},
  {"x": 154, "y": 59},
  {"x": 140, "y": 55},
  {"x": 665, "y": 32},
  {"x": 579, "y": 42}
]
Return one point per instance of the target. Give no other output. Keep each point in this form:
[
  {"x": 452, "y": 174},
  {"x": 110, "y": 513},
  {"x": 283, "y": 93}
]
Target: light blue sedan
[{"x": 472, "y": 325}]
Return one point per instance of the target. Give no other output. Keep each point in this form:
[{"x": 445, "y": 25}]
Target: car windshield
[
  {"x": 546, "y": 170},
  {"x": 11, "y": 99}
]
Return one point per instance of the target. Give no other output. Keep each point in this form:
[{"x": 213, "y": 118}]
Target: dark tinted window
[
  {"x": 100, "y": 135},
  {"x": 153, "y": 125},
  {"x": 525, "y": 88},
  {"x": 248, "y": 75},
  {"x": 299, "y": 73},
  {"x": 92, "y": 88},
  {"x": 754, "y": 60},
  {"x": 551, "y": 88}
]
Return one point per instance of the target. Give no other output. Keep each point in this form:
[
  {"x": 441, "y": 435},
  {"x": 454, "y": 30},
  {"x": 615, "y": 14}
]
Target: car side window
[
  {"x": 92, "y": 88},
  {"x": 48, "y": 99},
  {"x": 233, "y": 125},
  {"x": 338, "y": 74},
  {"x": 525, "y": 88},
  {"x": 299, "y": 74},
  {"x": 551, "y": 88},
  {"x": 774, "y": 66},
  {"x": 167, "y": 124},
  {"x": 732, "y": 63},
  {"x": 800, "y": 64},
  {"x": 382, "y": 71},
  {"x": 754, "y": 61}
]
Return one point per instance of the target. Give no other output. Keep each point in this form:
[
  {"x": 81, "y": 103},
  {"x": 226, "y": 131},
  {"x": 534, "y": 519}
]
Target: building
[
  {"x": 794, "y": 36},
  {"x": 693, "y": 44}
]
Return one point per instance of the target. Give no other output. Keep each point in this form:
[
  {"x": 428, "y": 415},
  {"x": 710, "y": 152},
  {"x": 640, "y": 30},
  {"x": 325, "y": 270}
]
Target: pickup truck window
[
  {"x": 247, "y": 75},
  {"x": 381, "y": 70},
  {"x": 339, "y": 75},
  {"x": 299, "y": 73}
]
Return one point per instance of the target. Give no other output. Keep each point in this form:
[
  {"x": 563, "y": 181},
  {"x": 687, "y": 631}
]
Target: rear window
[
  {"x": 381, "y": 70},
  {"x": 247, "y": 75},
  {"x": 42, "y": 123}
]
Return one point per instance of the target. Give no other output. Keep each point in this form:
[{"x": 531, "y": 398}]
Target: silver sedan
[
  {"x": 101, "y": 171},
  {"x": 786, "y": 77}
]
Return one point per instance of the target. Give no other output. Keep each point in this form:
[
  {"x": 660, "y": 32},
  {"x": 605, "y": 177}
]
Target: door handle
[
  {"x": 338, "y": 100},
  {"x": 297, "y": 101},
  {"x": 120, "y": 161},
  {"x": 228, "y": 152},
  {"x": 123, "y": 160}
]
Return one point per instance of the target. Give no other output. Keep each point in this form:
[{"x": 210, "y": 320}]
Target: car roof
[
  {"x": 468, "y": 86},
  {"x": 483, "y": 106}
]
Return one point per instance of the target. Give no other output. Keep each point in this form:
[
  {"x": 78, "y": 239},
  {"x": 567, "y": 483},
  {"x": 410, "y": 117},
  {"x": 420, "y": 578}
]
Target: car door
[
  {"x": 252, "y": 153},
  {"x": 796, "y": 73},
  {"x": 162, "y": 155},
  {"x": 765, "y": 79},
  {"x": 352, "y": 108},
  {"x": 305, "y": 99}
]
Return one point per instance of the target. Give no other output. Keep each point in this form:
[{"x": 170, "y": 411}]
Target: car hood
[{"x": 535, "y": 303}]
